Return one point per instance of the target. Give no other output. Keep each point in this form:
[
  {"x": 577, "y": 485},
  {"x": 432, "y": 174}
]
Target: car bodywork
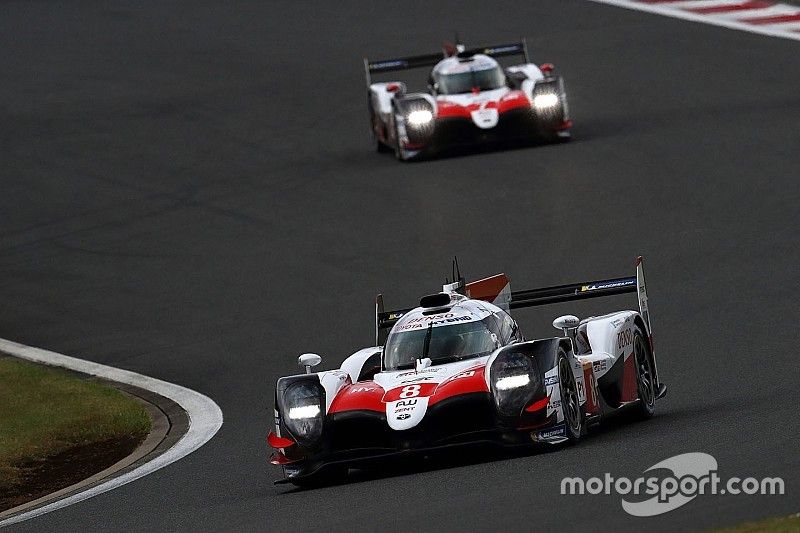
[
  {"x": 488, "y": 102},
  {"x": 513, "y": 393}
]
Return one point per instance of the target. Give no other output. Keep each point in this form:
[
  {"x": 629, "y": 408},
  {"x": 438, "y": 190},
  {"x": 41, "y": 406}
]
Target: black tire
[
  {"x": 645, "y": 382},
  {"x": 574, "y": 418}
]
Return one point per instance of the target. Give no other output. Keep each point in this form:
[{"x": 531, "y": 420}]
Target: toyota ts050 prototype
[
  {"x": 457, "y": 370},
  {"x": 471, "y": 99}
]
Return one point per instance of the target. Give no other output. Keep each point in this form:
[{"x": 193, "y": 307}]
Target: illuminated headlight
[
  {"x": 545, "y": 101},
  {"x": 515, "y": 380},
  {"x": 419, "y": 117},
  {"x": 306, "y": 411},
  {"x": 304, "y": 407},
  {"x": 512, "y": 382}
]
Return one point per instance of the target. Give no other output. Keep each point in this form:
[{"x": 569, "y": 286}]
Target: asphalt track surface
[{"x": 188, "y": 192}]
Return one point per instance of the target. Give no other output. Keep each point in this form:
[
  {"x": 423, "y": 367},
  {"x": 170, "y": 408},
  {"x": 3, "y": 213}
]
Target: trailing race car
[
  {"x": 457, "y": 370},
  {"x": 471, "y": 99}
]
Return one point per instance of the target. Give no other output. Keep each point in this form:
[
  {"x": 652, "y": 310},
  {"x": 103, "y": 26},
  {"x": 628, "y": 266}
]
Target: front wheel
[{"x": 570, "y": 400}]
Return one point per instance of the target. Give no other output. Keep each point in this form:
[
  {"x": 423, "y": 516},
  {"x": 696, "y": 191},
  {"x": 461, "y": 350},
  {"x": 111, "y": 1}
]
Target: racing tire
[
  {"x": 645, "y": 383},
  {"x": 574, "y": 418}
]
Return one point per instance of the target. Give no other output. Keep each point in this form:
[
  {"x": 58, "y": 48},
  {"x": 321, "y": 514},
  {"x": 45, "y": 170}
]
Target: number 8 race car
[
  {"x": 457, "y": 370},
  {"x": 470, "y": 99}
]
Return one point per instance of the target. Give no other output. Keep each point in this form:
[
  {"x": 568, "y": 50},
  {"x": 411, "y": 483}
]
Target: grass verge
[
  {"x": 786, "y": 524},
  {"x": 57, "y": 428}
]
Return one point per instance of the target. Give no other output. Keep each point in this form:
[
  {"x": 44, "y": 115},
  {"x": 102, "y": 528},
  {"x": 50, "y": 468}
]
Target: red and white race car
[
  {"x": 471, "y": 99},
  {"x": 457, "y": 370}
]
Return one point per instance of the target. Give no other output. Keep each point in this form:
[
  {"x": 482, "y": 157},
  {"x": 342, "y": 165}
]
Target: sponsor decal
[
  {"x": 551, "y": 380},
  {"x": 356, "y": 390},
  {"x": 406, "y": 402},
  {"x": 624, "y": 338},
  {"x": 415, "y": 380},
  {"x": 404, "y": 416},
  {"x": 388, "y": 64},
  {"x": 558, "y": 432},
  {"x": 599, "y": 366},
  {"x": 467, "y": 374},
  {"x": 404, "y": 409},
  {"x": 608, "y": 285},
  {"x": 412, "y": 373}
]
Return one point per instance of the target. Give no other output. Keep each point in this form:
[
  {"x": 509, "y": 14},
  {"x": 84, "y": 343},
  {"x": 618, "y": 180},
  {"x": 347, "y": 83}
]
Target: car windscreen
[
  {"x": 464, "y": 82},
  {"x": 447, "y": 343}
]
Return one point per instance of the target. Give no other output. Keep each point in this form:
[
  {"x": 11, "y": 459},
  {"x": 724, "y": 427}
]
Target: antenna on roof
[{"x": 458, "y": 285}]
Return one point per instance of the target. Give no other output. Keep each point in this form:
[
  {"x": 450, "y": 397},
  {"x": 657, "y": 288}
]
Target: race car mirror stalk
[
  {"x": 569, "y": 325},
  {"x": 308, "y": 360}
]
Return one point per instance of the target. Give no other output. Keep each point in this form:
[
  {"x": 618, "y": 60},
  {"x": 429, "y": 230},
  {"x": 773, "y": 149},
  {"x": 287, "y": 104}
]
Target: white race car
[
  {"x": 457, "y": 371},
  {"x": 471, "y": 99}
]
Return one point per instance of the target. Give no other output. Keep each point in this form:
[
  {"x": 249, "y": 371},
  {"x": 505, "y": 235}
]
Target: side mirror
[
  {"x": 567, "y": 323},
  {"x": 308, "y": 360}
]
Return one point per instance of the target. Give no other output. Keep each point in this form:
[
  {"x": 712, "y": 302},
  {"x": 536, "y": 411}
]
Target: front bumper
[{"x": 358, "y": 439}]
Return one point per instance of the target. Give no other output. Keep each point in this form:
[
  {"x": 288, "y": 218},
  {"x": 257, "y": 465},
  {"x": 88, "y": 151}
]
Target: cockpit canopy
[
  {"x": 459, "y": 76},
  {"x": 462, "y": 332}
]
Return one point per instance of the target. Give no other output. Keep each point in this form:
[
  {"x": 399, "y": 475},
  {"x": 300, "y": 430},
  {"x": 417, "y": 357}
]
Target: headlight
[
  {"x": 419, "y": 117},
  {"x": 303, "y": 405},
  {"x": 545, "y": 101},
  {"x": 515, "y": 380}
]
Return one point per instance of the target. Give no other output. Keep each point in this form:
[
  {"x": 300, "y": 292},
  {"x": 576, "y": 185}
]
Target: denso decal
[{"x": 624, "y": 338}]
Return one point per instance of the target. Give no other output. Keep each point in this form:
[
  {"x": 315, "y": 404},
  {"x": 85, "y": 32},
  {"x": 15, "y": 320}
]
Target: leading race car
[
  {"x": 471, "y": 99},
  {"x": 457, "y": 370}
]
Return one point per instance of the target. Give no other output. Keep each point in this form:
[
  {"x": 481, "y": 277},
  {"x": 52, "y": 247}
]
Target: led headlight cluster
[
  {"x": 545, "y": 101},
  {"x": 303, "y": 404},
  {"x": 419, "y": 120},
  {"x": 419, "y": 117},
  {"x": 515, "y": 379}
]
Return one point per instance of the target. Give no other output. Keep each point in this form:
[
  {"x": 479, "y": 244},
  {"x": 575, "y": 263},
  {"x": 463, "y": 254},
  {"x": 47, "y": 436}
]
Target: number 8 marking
[{"x": 409, "y": 391}]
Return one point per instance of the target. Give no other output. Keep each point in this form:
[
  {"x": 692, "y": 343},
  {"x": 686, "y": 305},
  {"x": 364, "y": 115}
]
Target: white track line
[
  {"x": 205, "y": 419},
  {"x": 671, "y": 9}
]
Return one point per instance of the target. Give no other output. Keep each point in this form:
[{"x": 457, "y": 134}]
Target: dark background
[{"x": 188, "y": 192}]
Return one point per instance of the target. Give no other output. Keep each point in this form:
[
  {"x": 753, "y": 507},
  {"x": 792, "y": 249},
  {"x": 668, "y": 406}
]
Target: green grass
[
  {"x": 45, "y": 411},
  {"x": 786, "y": 524}
]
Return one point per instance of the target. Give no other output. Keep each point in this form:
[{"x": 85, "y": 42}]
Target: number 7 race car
[
  {"x": 457, "y": 370},
  {"x": 471, "y": 99}
]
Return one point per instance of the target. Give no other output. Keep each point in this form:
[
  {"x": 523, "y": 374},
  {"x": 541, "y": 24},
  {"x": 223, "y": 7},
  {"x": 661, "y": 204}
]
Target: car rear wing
[
  {"x": 428, "y": 60},
  {"x": 496, "y": 289},
  {"x": 586, "y": 290}
]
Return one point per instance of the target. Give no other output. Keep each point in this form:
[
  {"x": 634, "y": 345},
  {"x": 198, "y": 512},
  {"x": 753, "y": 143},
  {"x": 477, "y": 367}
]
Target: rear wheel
[
  {"x": 645, "y": 382},
  {"x": 570, "y": 400}
]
